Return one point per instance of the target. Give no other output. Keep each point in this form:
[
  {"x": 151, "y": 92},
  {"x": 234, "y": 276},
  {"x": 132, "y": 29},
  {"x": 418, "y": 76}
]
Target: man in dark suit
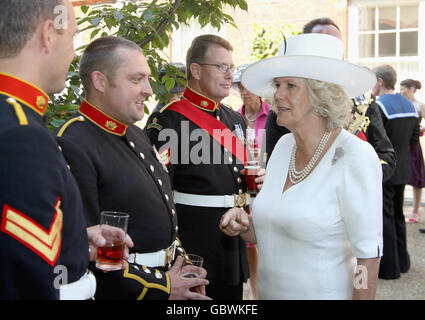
[
  {"x": 206, "y": 172},
  {"x": 401, "y": 122}
]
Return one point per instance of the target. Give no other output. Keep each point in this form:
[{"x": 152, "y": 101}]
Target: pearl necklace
[
  {"x": 250, "y": 120},
  {"x": 298, "y": 176}
]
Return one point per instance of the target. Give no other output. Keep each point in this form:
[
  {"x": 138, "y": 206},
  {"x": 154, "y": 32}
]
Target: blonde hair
[{"x": 329, "y": 101}]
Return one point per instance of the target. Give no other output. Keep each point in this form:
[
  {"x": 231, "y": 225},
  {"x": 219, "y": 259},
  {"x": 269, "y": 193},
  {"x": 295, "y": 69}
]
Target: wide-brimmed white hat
[{"x": 312, "y": 56}]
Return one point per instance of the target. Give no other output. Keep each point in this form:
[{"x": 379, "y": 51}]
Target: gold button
[
  {"x": 204, "y": 104},
  {"x": 132, "y": 144},
  {"x": 152, "y": 168},
  {"x": 142, "y": 155},
  {"x": 166, "y": 197},
  {"x": 230, "y": 159},
  {"x": 239, "y": 180},
  {"x": 160, "y": 182},
  {"x": 60, "y": 148},
  {"x": 235, "y": 169},
  {"x": 218, "y": 118}
]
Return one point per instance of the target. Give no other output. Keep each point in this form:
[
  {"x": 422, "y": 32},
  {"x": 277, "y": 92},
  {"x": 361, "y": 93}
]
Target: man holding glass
[
  {"x": 202, "y": 142},
  {"x": 43, "y": 237},
  {"x": 117, "y": 169}
]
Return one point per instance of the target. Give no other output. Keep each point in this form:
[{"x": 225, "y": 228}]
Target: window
[{"x": 388, "y": 31}]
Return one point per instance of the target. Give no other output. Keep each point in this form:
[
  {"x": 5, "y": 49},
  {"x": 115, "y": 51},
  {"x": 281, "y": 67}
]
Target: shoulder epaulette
[
  {"x": 68, "y": 123},
  {"x": 167, "y": 105},
  {"x": 23, "y": 121}
]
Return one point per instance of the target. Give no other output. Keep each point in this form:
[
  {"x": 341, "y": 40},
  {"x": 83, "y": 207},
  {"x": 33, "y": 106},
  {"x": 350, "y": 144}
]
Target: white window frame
[
  {"x": 353, "y": 39},
  {"x": 354, "y": 32}
]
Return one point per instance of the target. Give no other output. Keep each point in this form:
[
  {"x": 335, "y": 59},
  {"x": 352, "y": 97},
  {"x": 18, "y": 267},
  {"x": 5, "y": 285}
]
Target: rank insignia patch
[
  {"x": 154, "y": 124},
  {"x": 45, "y": 243}
]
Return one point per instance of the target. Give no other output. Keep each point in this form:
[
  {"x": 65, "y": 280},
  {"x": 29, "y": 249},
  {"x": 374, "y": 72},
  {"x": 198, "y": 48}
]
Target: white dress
[{"x": 308, "y": 236}]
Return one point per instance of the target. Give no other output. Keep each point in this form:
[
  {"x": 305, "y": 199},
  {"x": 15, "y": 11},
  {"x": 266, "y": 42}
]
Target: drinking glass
[{"x": 113, "y": 226}]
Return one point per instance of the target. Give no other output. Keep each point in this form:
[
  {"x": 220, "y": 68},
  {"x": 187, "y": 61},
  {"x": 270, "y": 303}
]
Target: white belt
[
  {"x": 161, "y": 258},
  {"x": 82, "y": 289},
  {"x": 199, "y": 200}
]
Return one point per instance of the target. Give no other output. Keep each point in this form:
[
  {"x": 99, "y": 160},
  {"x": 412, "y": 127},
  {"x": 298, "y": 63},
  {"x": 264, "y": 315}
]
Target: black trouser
[
  {"x": 395, "y": 257},
  {"x": 223, "y": 292}
]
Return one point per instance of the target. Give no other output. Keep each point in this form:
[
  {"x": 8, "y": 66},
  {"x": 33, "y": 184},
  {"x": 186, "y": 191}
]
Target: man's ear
[
  {"x": 99, "y": 81},
  {"x": 195, "y": 69},
  {"x": 48, "y": 35}
]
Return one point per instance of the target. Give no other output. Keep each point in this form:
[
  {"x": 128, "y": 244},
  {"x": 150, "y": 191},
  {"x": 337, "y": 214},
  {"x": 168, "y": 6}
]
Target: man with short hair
[
  {"x": 117, "y": 169},
  {"x": 401, "y": 122},
  {"x": 43, "y": 237},
  {"x": 205, "y": 159}
]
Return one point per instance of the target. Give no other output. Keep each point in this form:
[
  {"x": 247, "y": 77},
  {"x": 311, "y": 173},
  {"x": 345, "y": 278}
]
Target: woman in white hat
[{"x": 320, "y": 208}]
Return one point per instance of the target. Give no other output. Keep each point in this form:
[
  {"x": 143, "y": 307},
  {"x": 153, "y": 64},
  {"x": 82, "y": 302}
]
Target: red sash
[
  {"x": 216, "y": 129},
  {"x": 362, "y": 136}
]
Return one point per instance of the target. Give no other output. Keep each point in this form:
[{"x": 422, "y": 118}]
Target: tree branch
[{"x": 161, "y": 26}]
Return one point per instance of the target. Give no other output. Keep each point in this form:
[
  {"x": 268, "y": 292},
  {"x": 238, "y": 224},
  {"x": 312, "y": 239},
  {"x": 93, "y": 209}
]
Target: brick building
[{"x": 374, "y": 31}]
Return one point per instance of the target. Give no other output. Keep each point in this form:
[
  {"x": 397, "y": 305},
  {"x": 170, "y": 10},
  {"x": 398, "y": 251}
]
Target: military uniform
[
  {"x": 367, "y": 124},
  {"x": 41, "y": 222},
  {"x": 401, "y": 122},
  {"x": 117, "y": 168},
  {"x": 206, "y": 181}
]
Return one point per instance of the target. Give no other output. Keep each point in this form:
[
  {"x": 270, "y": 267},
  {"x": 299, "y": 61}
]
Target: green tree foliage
[
  {"x": 267, "y": 40},
  {"x": 150, "y": 25}
]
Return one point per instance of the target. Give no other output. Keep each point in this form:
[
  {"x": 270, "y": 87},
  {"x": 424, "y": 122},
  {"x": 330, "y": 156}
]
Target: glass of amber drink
[
  {"x": 113, "y": 226},
  {"x": 251, "y": 172},
  {"x": 191, "y": 266}
]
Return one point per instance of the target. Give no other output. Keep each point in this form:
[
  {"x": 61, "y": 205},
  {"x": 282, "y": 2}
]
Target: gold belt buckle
[
  {"x": 169, "y": 254},
  {"x": 240, "y": 200}
]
